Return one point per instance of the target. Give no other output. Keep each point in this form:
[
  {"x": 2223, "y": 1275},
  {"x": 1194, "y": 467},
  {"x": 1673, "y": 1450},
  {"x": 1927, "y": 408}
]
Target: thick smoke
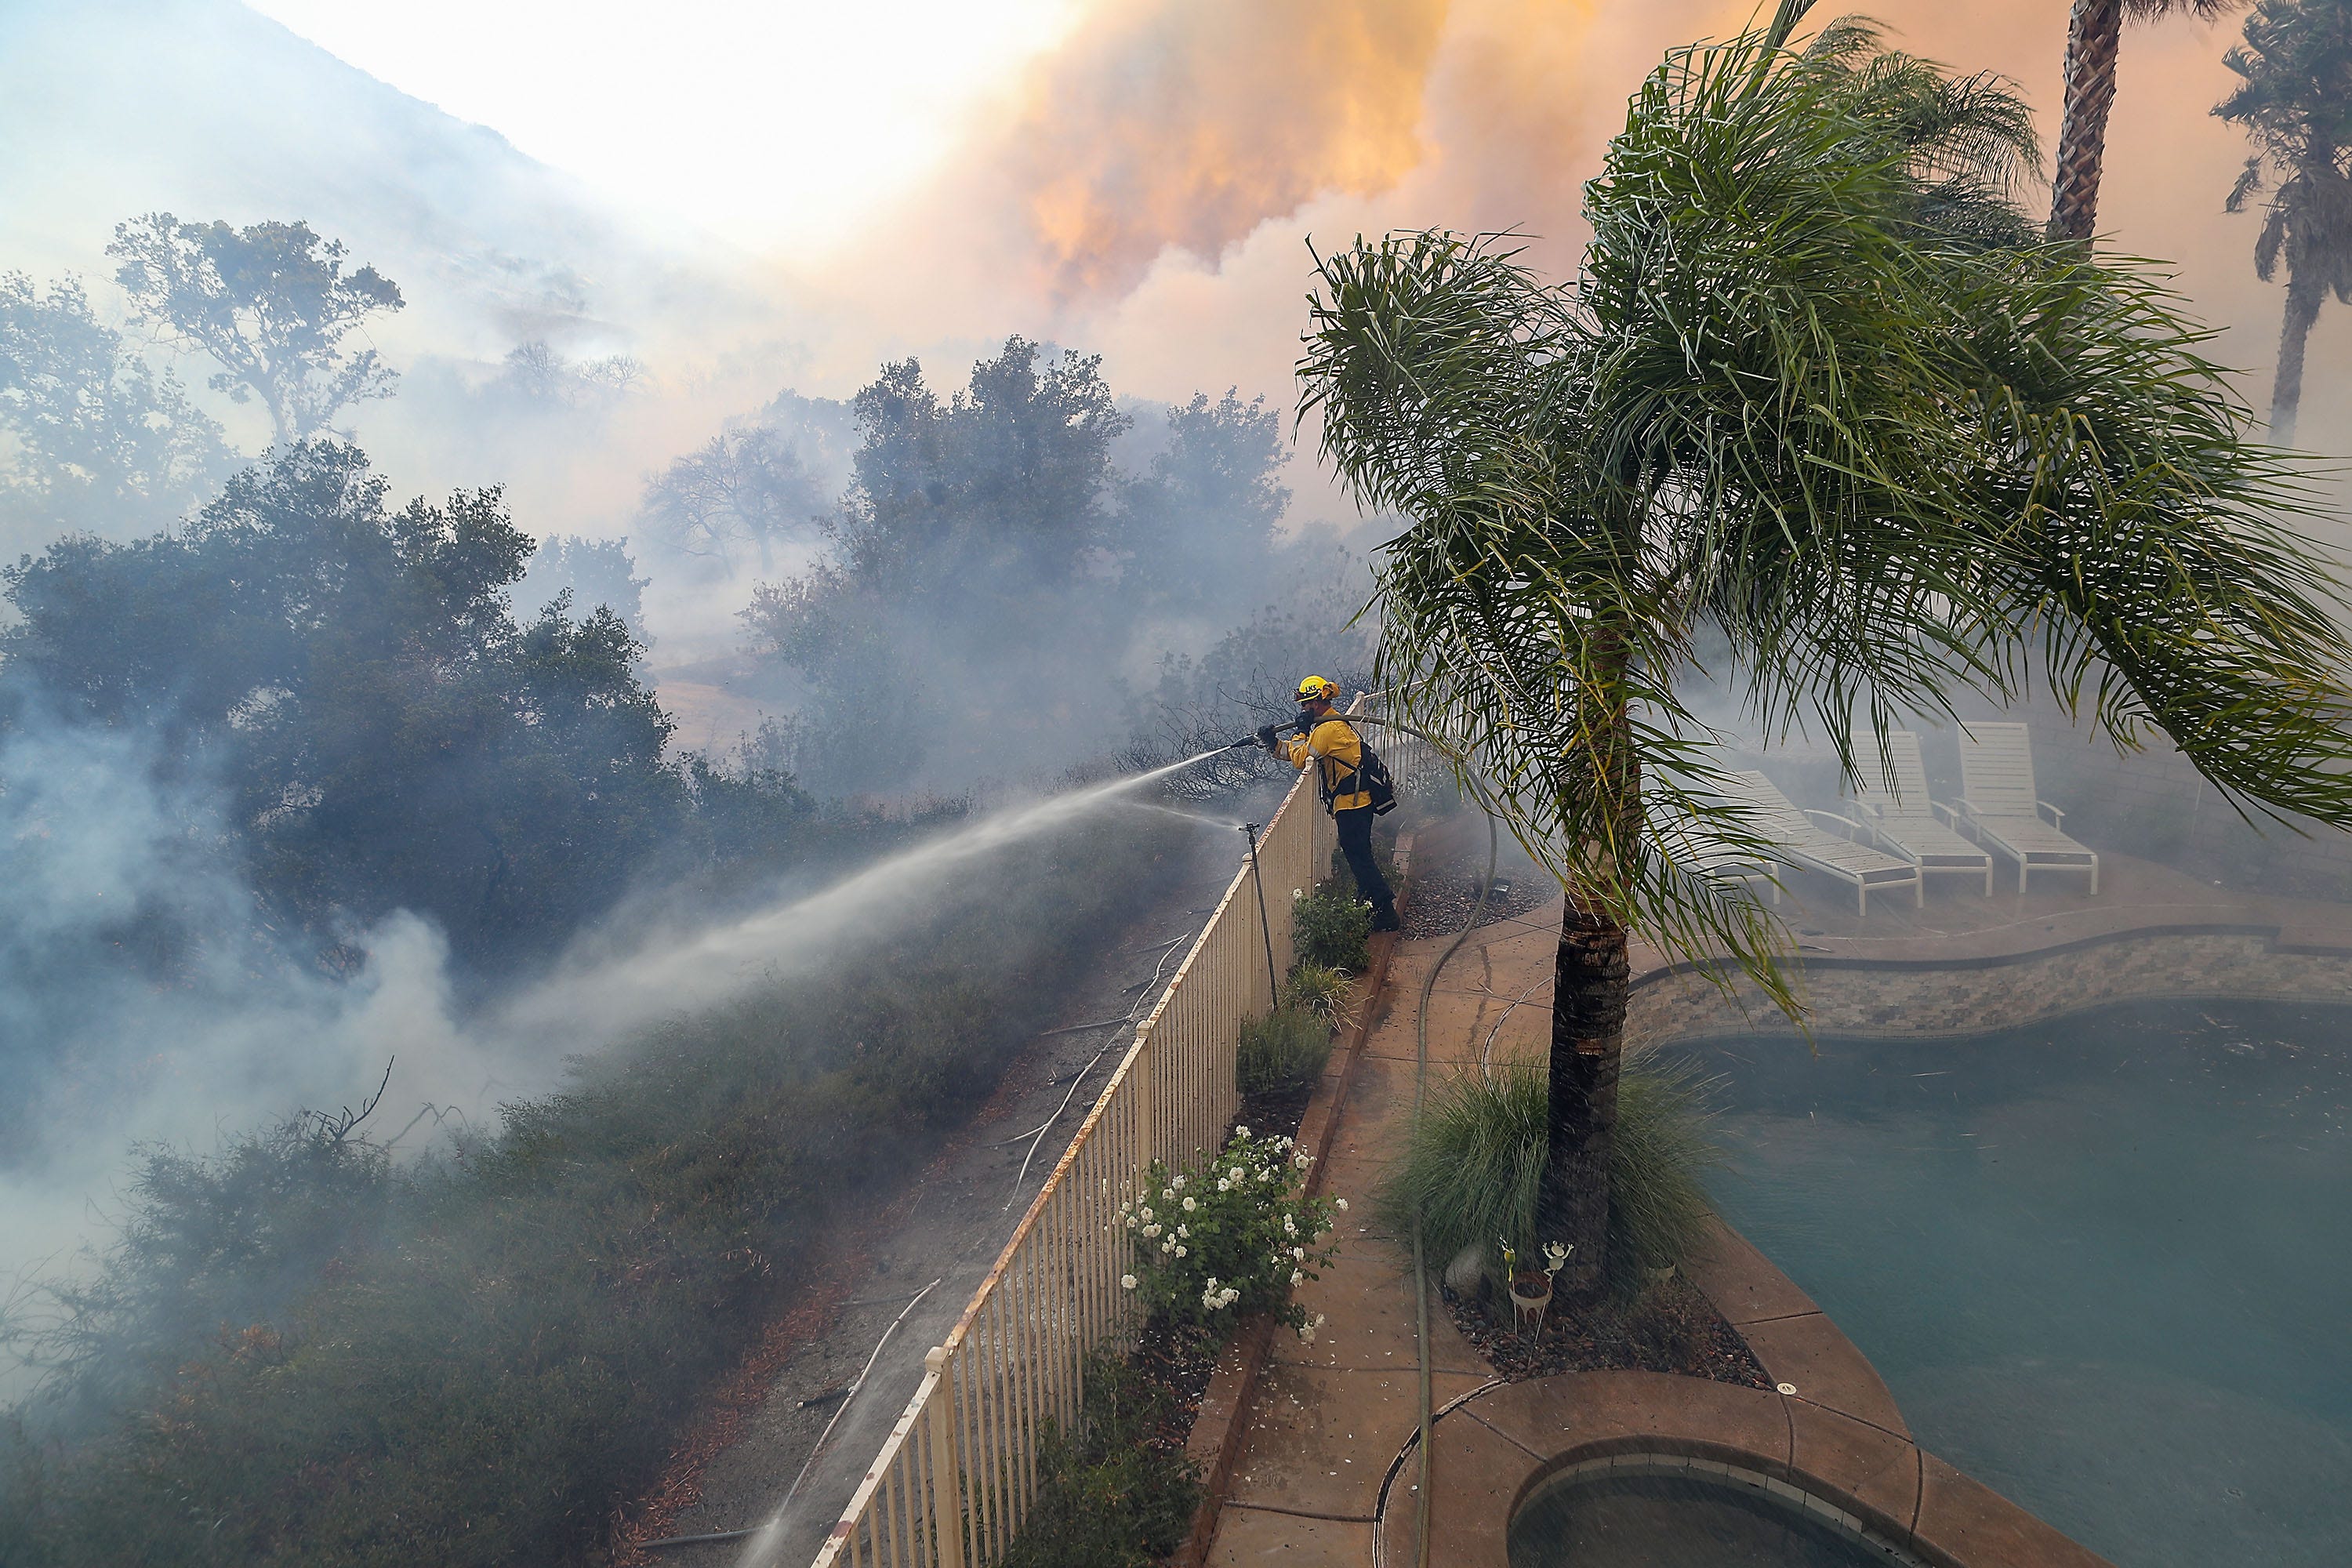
[
  {"x": 143, "y": 991},
  {"x": 1188, "y": 125}
]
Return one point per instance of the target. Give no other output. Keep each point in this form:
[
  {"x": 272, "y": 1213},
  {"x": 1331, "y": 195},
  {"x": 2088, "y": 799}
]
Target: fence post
[
  {"x": 946, "y": 1494},
  {"x": 1146, "y": 1088}
]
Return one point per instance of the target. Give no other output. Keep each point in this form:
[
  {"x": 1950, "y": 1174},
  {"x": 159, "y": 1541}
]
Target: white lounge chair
[
  {"x": 1707, "y": 853},
  {"x": 2003, "y": 811},
  {"x": 1907, "y": 823},
  {"x": 1802, "y": 842}
]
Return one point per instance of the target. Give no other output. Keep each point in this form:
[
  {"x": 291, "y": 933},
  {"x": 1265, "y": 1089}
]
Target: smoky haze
[{"x": 747, "y": 610}]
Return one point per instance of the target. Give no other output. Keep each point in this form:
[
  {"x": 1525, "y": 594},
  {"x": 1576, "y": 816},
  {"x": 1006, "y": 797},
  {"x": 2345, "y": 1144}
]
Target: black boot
[{"x": 1385, "y": 918}]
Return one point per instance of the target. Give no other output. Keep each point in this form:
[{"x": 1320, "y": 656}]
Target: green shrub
[
  {"x": 1116, "y": 1493},
  {"x": 1331, "y": 930},
  {"x": 1320, "y": 988},
  {"x": 1229, "y": 1237},
  {"x": 1283, "y": 1051},
  {"x": 1476, "y": 1168}
]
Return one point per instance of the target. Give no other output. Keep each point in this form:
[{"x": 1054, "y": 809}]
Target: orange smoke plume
[{"x": 1167, "y": 123}]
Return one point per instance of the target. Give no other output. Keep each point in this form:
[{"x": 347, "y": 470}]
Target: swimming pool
[{"x": 2104, "y": 1264}]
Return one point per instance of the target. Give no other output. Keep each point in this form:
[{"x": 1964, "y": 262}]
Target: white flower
[
  {"x": 1126, "y": 1281},
  {"x": 1318, "y": 1320},
  {"x": 1184, "y": 1230},
  {"x": 1179, "y": 1250},
  {"x": 1132, "y": 1222},
  {"x": 1168, "y": 1246},
  {"x": 1289, "y": 1225},
  {"x": 1212, "y": 1287},
  {"x": 1178, "y": 1184},
  {"x": 1340, "y": 1204},
  {"x": 1241, "y": 1132},
  {"x": 1307, "y": 1333},
  {"x": 1297, "y": 892},
  {"x": 1302, "y": 1160},
  {"x": 1150, "y": 1231},
  {"x": 1299, "y": 1253},
  {"x": 1145, "y": 1211},
  {"x": 1296, "y": 1276}
]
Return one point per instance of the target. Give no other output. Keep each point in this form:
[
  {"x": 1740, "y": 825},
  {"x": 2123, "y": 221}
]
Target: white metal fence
[{"x": 957, "y": 1472}]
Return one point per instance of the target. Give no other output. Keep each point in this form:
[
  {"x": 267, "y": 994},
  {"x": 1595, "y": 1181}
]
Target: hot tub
[{"x": 1664, "y": 1510}]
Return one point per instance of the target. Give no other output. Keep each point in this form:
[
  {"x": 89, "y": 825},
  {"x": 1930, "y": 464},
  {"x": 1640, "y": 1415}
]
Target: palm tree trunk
[
  {"x": 1590, "y": 985},
  {"x": 2303, "y": 302},
  {"x": 2092, "y": 37}
]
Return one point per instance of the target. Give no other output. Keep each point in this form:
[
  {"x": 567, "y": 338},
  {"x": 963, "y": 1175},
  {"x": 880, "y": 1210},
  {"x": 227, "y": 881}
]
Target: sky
[{"x": 767, "y": 124}]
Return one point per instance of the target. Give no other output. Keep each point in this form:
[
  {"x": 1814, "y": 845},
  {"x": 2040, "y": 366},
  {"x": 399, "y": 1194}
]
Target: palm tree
[
  {"x": 2094, "y": 33},
  {"x": 1821, "y": 394},
  {"x": 2295, "y": 104}
]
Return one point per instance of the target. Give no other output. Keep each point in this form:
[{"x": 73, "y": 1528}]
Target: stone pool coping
[{"x": 1968, "y": 965}]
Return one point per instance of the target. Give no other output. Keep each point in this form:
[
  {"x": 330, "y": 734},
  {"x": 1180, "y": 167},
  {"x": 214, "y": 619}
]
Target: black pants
[{"x": 1356, "y": 844}]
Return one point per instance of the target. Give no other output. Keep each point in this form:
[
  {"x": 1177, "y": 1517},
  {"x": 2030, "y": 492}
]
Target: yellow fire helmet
[{"x": 1315, "y": 688}]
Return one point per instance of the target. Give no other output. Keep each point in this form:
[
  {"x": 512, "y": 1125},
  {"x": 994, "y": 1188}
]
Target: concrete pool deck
[{"x": 1324, "y": 1472}]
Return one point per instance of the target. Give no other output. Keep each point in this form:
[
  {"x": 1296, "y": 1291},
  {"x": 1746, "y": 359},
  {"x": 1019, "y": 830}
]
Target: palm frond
[{"x": 2249, "y": 181}]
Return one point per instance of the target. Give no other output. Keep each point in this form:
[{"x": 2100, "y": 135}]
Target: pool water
[
  {"x": 2104, "y": 1264},
  {"x": 1667, "y": 1518}
]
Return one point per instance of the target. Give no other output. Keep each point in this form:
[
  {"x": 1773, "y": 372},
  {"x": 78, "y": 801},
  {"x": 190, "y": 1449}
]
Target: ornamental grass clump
[
  {"x": 1320, "y": 988},
  {"x": 1230, "y": 1236},
  {"x": 1331, "y": 930},
  {"x": 1474, "y": 1170},
  {"x": 1282, "y": 1052}
]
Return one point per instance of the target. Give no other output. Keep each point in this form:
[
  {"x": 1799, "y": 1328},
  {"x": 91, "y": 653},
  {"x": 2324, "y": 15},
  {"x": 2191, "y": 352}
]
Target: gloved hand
[{"x": 1266, "y": 736}]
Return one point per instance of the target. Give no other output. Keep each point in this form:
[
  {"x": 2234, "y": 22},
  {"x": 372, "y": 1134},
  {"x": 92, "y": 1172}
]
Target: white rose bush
[{"x": 1230, "y": 1236}]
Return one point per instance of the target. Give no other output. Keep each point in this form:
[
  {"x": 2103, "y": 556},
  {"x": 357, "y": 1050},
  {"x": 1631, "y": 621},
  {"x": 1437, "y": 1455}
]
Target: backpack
[
  {"x": 1372, "y": 778},
  {"x": 1370, "y": 775}
]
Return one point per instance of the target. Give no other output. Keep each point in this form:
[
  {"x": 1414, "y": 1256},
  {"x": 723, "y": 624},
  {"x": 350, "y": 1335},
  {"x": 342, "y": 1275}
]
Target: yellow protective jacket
[{"x": 1332, "y": 745}]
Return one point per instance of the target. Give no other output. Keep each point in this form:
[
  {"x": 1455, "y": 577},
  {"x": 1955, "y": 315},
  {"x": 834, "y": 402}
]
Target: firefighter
[{"x": 1329, "y": 741}]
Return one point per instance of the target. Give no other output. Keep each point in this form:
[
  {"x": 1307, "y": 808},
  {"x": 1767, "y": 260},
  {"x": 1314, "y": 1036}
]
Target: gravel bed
[{"x": 1670, "y": 1327}]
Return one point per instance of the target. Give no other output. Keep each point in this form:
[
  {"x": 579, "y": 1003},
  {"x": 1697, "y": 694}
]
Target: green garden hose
[{"x": 1419, "y": 1262}]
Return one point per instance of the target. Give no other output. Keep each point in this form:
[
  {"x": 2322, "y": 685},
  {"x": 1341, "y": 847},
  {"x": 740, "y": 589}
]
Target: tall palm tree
[
  {"x": 1823, "y": 394},
  {"x": 2296, "y": 103},
  {"x": 2093, "y": 35}
]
